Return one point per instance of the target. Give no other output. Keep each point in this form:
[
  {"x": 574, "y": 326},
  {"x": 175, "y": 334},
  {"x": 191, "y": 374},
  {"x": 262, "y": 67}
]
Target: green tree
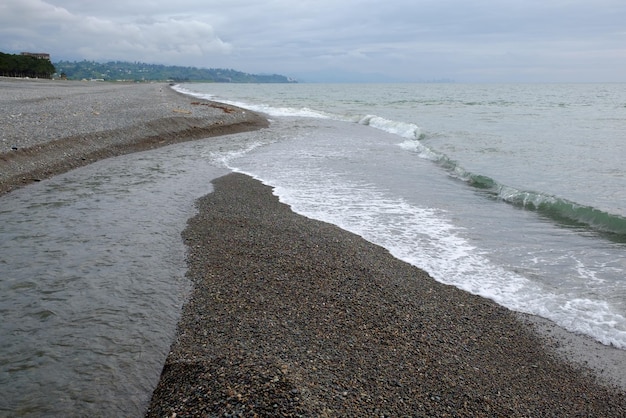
[
  {"x": 12, "y": 65},
  {"x": 118, "y": 70}
]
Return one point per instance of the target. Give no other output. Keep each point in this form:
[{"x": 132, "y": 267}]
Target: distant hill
[{"x": 136, "y": 71}]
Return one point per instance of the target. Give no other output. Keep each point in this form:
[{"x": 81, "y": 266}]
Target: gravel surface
[
  {"x": 49, "y": 127},
  {"x": 295, "y": 317}
]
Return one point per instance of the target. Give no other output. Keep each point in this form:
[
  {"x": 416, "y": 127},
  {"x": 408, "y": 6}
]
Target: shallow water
[{"x": 92, "y": 280}]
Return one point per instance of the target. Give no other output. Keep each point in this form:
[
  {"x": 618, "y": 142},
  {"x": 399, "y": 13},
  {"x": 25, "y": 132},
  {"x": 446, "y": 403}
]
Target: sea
[{"x": 514, "y": 192}]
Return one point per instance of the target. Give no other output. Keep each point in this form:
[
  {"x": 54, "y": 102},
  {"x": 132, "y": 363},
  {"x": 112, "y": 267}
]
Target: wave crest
[
  {"x": 560, "y": 210},
  {"x": 403, "y": 129}
]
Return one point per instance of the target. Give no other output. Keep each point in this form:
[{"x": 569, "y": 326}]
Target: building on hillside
[{"x": 39, "y": 55}]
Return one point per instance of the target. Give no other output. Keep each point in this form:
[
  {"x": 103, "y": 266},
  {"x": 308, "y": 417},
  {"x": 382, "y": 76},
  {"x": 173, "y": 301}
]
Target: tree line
[
  {"x": 13, "y": 65},
  {"x": 137, "y": 71}
]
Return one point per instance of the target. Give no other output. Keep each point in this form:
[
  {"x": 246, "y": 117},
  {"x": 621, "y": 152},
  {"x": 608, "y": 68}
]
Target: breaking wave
[
  {"x": 560, "y": 210},
  {"x": 403, "y": 129}
]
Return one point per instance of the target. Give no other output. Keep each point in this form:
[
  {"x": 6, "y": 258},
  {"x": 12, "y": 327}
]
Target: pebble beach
[
  {"x": 50, "y": 127},
  {"x": 290, "y": 316},
  {"x": 296, "y": 317}
]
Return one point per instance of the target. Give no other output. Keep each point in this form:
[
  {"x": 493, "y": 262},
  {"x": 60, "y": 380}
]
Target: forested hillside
[
  {"x": 13, "y": 65},
  {"x": 136, "y": 71}
]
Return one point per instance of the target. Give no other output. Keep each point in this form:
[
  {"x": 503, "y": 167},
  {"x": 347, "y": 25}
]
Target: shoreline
[
  {"x": 291, "y": 316},
  {"x": 57, "y": 126},
  {"x": 51, "y": 127}
]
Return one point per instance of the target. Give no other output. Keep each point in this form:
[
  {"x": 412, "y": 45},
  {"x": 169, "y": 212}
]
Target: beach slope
[
  {"x": 296, "y": 317},
  {"x": 50, "y": 127}
]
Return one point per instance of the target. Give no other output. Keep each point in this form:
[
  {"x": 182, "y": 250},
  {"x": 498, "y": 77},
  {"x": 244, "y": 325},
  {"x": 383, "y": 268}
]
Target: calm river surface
[{"x": 92, "y": 279}]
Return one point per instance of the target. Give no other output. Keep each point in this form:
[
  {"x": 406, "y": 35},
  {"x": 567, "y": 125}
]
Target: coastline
[
  {"x": 290, "y": 316},
  {"x": 51, "y": 127},
  {"x": 376, "y": 338}
]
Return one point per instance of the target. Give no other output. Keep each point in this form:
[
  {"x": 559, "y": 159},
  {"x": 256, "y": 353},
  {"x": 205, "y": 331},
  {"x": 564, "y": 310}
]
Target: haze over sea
[{"x": 516, "y": 192}]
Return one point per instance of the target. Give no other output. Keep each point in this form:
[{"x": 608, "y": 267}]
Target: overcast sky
[{"x": 403, "y": 40}]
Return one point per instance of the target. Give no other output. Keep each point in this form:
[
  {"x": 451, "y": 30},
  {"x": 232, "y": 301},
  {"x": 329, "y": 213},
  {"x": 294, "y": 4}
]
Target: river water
[{"x": 92, "y": 279}]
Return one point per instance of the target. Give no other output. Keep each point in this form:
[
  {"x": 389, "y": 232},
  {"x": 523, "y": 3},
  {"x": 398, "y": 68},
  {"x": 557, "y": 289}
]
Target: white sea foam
[
  {"x": 420, "y": 149},
  {"x": 423, "y": 237},
  {"x": 403, "y": 129},
  {"x": 259, "y": 107},
  {"x": 223, "y": 157}
]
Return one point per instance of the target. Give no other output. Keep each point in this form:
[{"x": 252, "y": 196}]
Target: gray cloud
[{"x": 480, "y": 40}]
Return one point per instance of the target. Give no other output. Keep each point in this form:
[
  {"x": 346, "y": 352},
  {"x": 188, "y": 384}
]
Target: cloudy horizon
[{"x": 367, "y": 40}]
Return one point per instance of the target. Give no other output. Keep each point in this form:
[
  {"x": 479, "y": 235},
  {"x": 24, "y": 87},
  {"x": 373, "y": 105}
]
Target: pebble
[
  {"x": 392, "y": 356},
  {"x": 56, "y": 126}
]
